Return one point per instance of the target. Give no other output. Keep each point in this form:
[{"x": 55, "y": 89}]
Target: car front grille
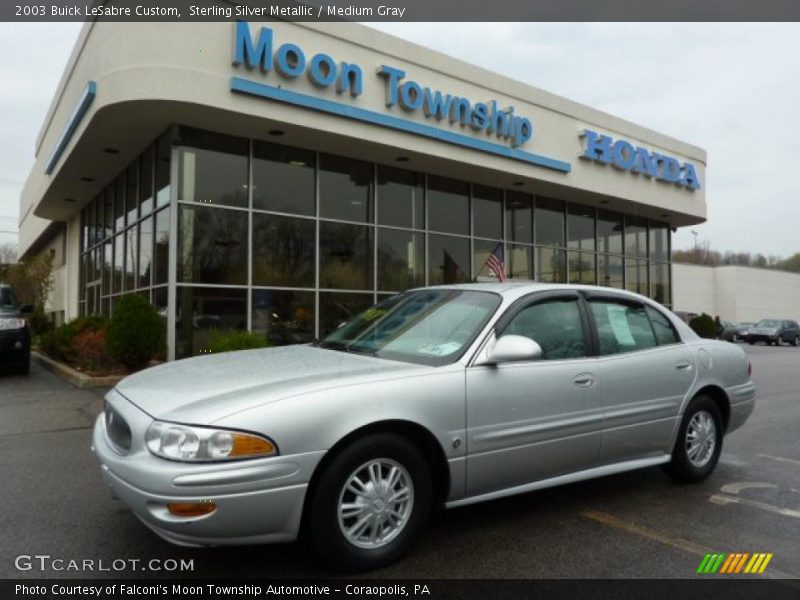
[{"x": 117, "y": 429}]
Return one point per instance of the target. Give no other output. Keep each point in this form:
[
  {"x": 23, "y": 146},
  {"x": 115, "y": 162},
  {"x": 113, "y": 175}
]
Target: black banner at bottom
[{"x": 435, "y": 589}]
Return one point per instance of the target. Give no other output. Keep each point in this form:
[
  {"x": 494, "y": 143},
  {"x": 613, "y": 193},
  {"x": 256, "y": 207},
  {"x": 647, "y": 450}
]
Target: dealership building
[{"x": 279, "y": 177}]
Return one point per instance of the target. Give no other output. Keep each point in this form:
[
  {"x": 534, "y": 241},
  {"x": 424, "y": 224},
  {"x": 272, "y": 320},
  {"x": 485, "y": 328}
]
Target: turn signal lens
[
  {"x": 191, "y": 509},
  {"x": 250, "y": 445}
]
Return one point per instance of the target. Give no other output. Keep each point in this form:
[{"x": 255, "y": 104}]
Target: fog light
[{"x": 191, "y": 509}]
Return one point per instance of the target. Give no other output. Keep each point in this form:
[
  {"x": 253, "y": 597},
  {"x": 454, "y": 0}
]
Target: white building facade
[{"x": 279, "y": 177}]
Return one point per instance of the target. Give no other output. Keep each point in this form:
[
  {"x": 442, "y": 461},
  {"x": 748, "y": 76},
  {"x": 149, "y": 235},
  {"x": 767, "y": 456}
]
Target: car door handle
[
  {"x": 583, "y": 380},
  {"x": 683, "y": 366}
]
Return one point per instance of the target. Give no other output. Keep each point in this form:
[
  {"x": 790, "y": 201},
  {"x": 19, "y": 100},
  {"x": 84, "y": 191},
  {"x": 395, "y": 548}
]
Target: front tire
[
  {"x": 369, "y": 503},
  {"x": 699, "y": 442}
]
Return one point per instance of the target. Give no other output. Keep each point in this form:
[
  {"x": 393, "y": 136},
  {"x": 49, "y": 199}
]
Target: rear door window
[{"x": 622, "y": 327}]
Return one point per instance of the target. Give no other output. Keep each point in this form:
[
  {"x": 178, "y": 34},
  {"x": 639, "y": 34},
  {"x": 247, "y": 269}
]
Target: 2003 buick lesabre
[{"x": 438, "y": 396}]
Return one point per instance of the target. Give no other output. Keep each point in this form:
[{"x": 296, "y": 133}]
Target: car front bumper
[
  {"x": 15, "y": 346},
  {"x": 257, "y": 501}
]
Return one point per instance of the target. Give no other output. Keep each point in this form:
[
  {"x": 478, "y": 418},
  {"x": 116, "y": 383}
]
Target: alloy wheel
[
  {"x": 701, "y": 438},
  {"x": 375, "y": 503}
]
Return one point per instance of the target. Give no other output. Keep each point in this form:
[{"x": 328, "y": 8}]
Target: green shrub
[
  {"x": 39, "y": 322},
  {"x": 58, "y": 343},
  {"x": 90, "y": 352},
  {"x": 703, "y": 325},
  {"x": 136, "y": 332},
  {"x": 227, "y": 341}
]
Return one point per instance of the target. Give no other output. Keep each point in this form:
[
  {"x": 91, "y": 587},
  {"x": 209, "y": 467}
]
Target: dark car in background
[
  {"x": 775, "y": 331},
  {"x": 743, "y": 330},
  {"x": 15, "y": 335}
]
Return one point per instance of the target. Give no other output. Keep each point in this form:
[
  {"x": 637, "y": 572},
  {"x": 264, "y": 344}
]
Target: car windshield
[
  {"x": 7, "y": 299},
  {"x": 431, "y": 327},
  {"x": 769, "y": 323}
]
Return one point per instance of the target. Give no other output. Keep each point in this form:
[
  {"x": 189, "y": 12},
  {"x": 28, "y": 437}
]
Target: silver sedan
[{"x": 440, "y": 396}]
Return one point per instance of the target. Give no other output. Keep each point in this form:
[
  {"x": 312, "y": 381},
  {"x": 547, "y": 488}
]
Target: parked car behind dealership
[
  {"x": 15, "y": 335},
  {"x": 775, "y": 331},
  {"x": 728, "y": 332},
  {"x": 743, "y": 330}
]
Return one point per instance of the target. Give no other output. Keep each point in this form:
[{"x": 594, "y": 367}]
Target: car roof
[{"x": 516, "y": 289}]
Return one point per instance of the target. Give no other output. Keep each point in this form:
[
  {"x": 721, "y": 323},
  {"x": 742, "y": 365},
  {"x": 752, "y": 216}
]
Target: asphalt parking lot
[{"x": 635, "y": 525}]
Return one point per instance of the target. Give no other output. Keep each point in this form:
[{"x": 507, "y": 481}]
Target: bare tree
[{"x": 8, "y": 253}]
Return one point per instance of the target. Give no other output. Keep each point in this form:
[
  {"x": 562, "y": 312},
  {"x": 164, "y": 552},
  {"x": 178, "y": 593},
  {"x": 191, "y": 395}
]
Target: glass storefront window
[
  {"x": 335, "y": 308},
  {"x": 145, "y": 251},
  {"x": 284, "y": 316},
  {"x": 283, "y": 178},
  {"x": 131, "y": 252},
  {"x": 520, "y": 262},
  {"x": 401, "y": 259},
  {"x": 108, "y": 266},
  {"x": 448, "y": 205},
  {"x": 119, "y": 203},
  {"x": 550, "y": 264},
  {"x": 213, "y": 168},
  {"x": 609, "y": 232},
  {"x": 163, "y": 170},
  {"x": 548, "y": 219},
  {"x": 519, "y": 217},
  {"x": 161, "y": 248},
  {"x": 345, "y": 189},
  {"x": 487, "y": 212},
  {"x": 146, "y": 182},
  {"x": 159, "y": 299},
  {"x": 636, "y": 276},
  {"x": 283, "y": 251},
  {"x": 401, "y": 198},
  {"x": 131, "y": 197},
  {"x": 119, "y": 263},
  {"x": 212, "y": 245},
  {"x": 580, "y": 228},
  {"x": 482, "y": 250},
  {"x": 659, "y": 241},
  {"x": 660, "y": 283},
  {"x": 203, "y": 311},
  {"x": 610, "y": 270},
  {"x": 108, "y": 212},
  {"x": 448, "y": 259},
  {"x": 345, "y": 256},
  {"x": 635, "y": 237},
  {"x": 582, "y": 267}
]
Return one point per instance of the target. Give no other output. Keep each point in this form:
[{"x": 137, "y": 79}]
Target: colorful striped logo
[{"x": 734, "y": 563}]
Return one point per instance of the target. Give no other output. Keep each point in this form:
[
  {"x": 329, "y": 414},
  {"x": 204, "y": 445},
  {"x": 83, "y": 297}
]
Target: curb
[{"x": 76, "y": 378}]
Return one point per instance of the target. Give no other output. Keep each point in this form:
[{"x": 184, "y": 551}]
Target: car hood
[{"x": 208, "y": 388}]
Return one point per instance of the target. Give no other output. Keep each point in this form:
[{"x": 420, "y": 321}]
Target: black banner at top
[{"x": 400, "y": 10}]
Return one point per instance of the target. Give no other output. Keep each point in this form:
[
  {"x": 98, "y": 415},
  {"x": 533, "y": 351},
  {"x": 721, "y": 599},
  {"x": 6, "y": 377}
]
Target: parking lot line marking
[
  {"x": 678, "y": 543},
  {"x": 726, "y": 499},
  {"x": 783, "y": 459},
  {"x": 644, "y": 532}
]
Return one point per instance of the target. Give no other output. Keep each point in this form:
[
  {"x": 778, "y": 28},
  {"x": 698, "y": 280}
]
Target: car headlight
[
  {"x": 205, "y": 444},
  {"x": 11, "y": 323}
]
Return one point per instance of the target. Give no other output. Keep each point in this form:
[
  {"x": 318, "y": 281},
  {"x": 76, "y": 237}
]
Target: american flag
[{"x": 496, "y": 262}]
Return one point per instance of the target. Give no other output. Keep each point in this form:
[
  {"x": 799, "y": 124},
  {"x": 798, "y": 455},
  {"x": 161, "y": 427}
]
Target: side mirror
[
  {"x": 511, "y": 348},
  {"x": 26, "y": 308}
]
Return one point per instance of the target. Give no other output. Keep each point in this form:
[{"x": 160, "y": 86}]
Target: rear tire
[
  {"x": 796, "y": 341},
  {"x": 699, "y": 442},
  {"x": 381, "y": 467}
]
